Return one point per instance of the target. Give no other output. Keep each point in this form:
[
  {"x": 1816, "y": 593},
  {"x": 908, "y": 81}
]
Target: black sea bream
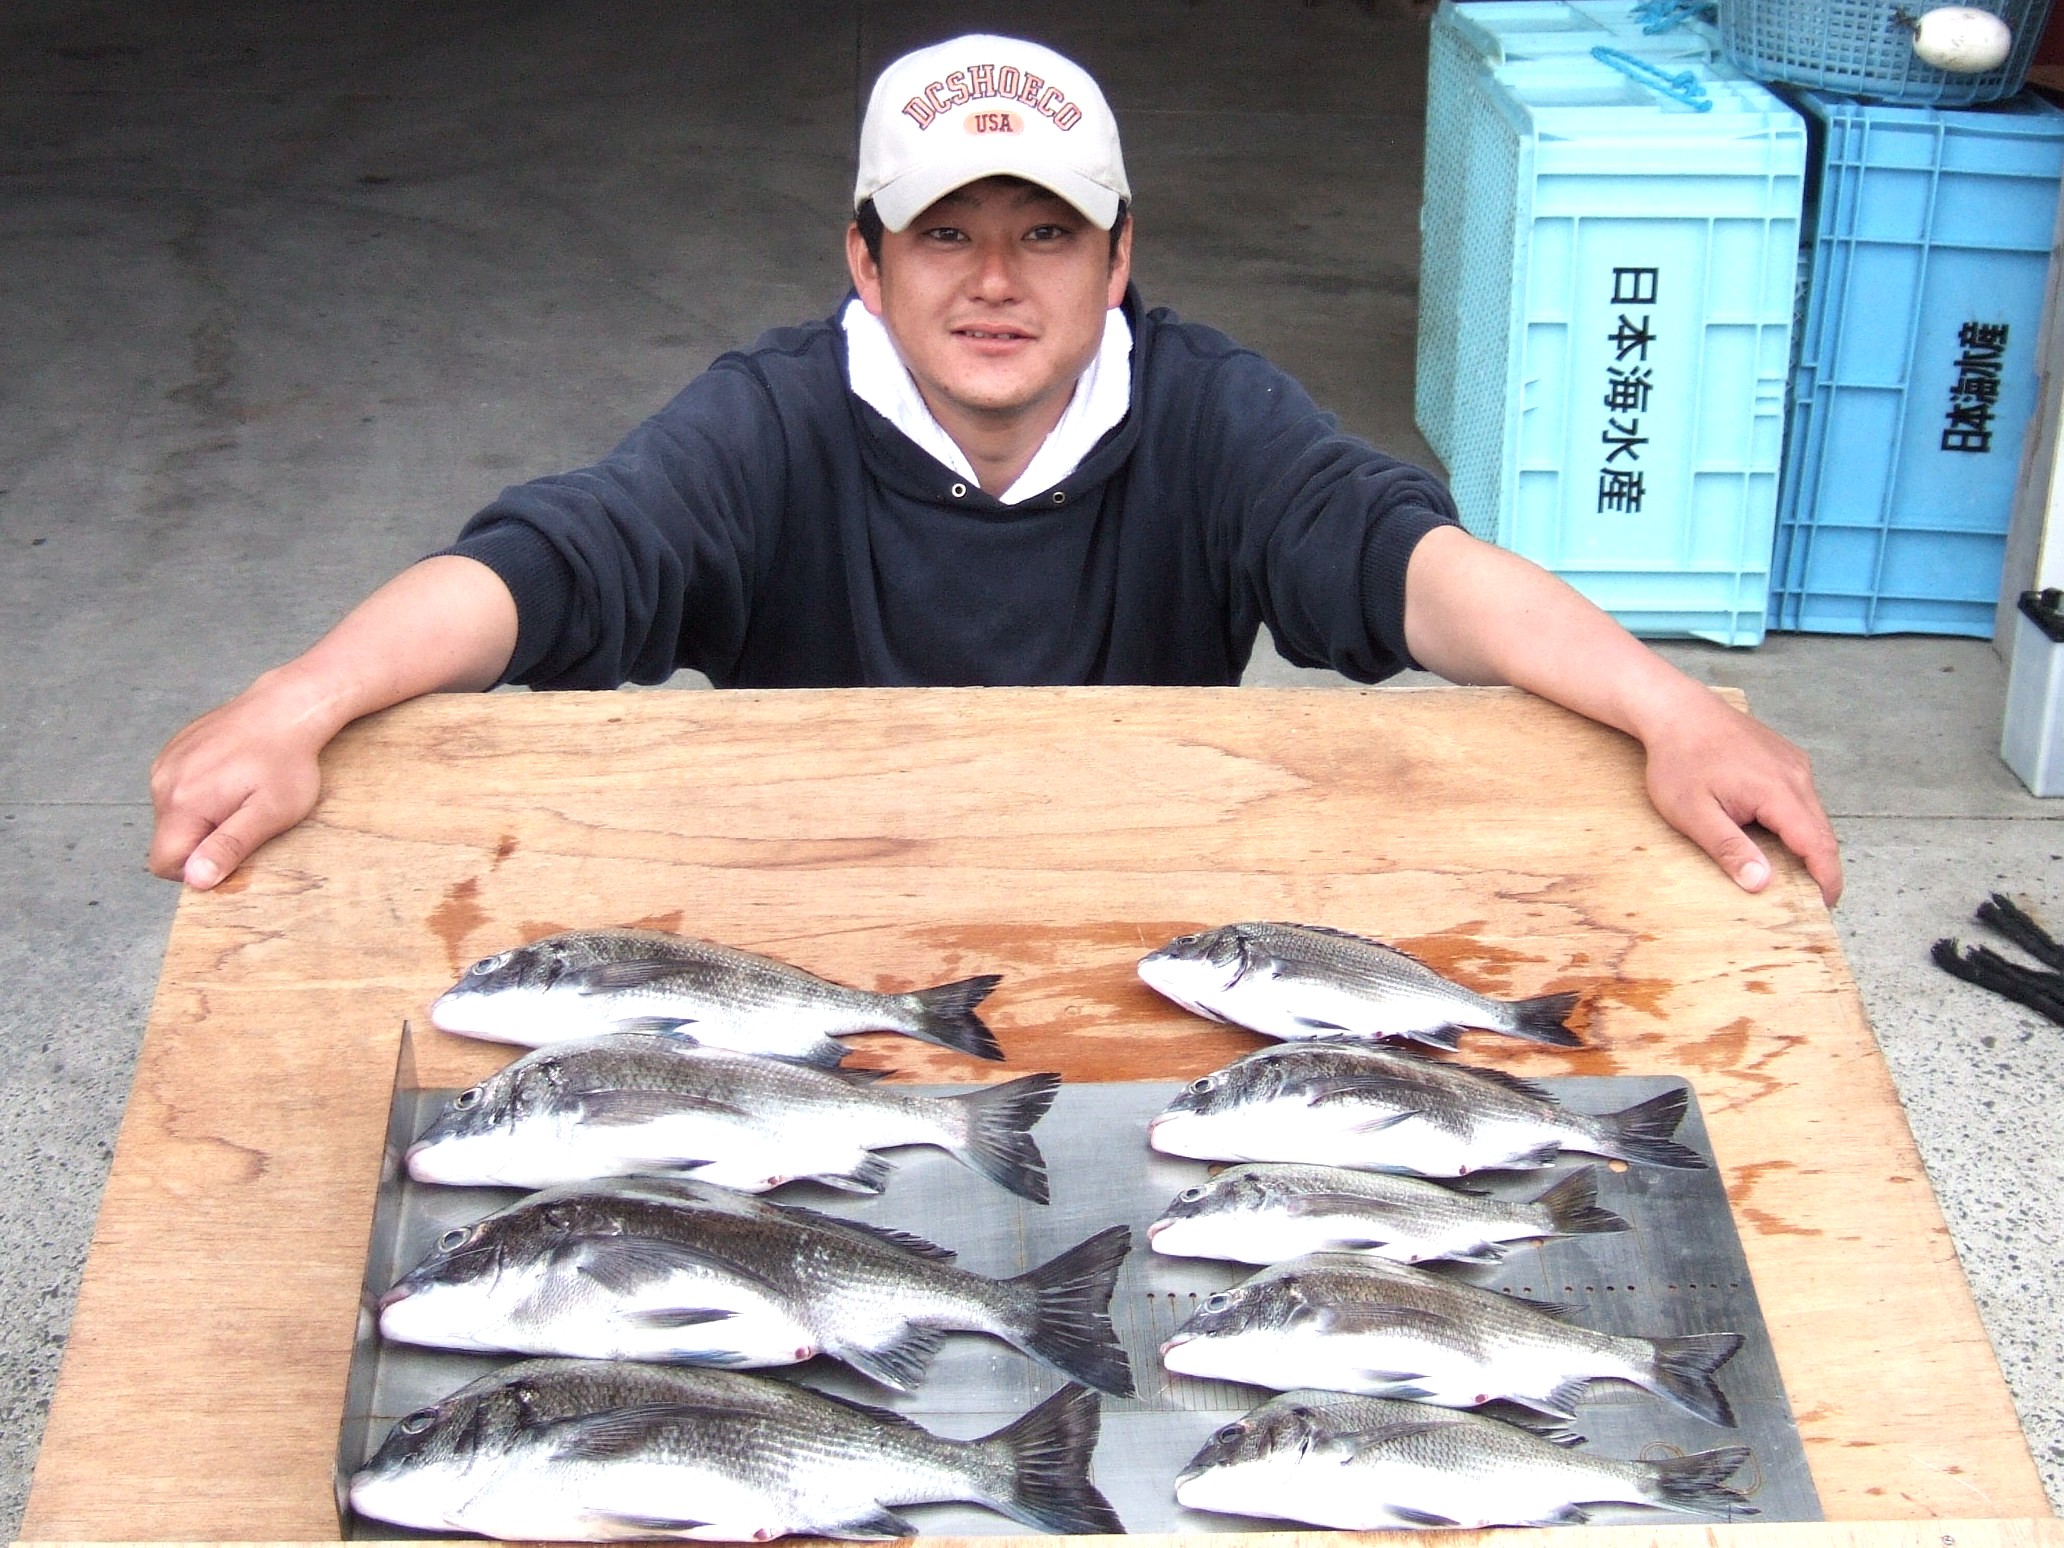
[
  {"x": 1354, "y": 1324},
  {"x": 1367, "y": 1464},
  {"x": 1270, "y": 1213},
  {"x": 592, "y": 1451},
  {"x": 1387, "y": 1109},
  {"x": 639, "y": 1102},
  {"x": 652, "y": 1269},
  {"x": 590, "y": 981},
  {"x": 1301, "y": 981}
]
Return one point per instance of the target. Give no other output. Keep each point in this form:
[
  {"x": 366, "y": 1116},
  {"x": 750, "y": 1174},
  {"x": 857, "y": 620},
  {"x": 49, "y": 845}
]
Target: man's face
[{"x": 996, "y": 297}]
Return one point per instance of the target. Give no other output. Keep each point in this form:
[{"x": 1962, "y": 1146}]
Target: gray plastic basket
[{"x": 1864, "y": 48}]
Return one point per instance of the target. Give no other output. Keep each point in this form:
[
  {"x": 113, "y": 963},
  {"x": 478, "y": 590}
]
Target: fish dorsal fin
[
  {"x": 623, "y": 1107},
  {"x": 904, "y": 1241},
  {"x": 625, "y": 1264}
]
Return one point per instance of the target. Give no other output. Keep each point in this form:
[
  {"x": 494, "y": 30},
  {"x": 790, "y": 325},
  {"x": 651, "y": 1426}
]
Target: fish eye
[
  {"x": 487, "y": 965},
  {"x": 417, "y": 1422},
  {"x": 466, "y": 1099},
  {"x": 1202, "y": 1084},
  {"x": 1229, "y": 1433},
  {"x": 1218, "y": 1302},
  {"x": 1191, "y": 1195},
  {"x": 454, "y": 1239}
]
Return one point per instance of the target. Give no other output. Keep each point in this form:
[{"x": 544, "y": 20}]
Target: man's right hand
[
  {"x": 249, "y": 770},
  {"x": 231, "y": 780}
]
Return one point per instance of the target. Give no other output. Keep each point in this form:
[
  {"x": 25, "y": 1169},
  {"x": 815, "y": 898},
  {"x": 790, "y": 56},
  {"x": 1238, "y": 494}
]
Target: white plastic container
[{"x": 2032, "y": 742}]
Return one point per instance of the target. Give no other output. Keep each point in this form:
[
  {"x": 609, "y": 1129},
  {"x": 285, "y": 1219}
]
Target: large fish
[
  {"x": 1271, "y": 1213},
  {"x": 590, "y": 981},
  {"x": 1355, "y": 1324},
  {"x": 1385, "y": 1109},
  {"x": 594, "y": 1451},
  {"x": 658, "y": 1269},
  {"x": 1301, "y": 981},
  {"x": 1367, "y": 1464},
  {"x": 643, "y": 1102}
]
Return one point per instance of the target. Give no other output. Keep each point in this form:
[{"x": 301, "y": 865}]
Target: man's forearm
[
  {"x": 1478, "y": 614},
  {"x": 446, "y": 624}
]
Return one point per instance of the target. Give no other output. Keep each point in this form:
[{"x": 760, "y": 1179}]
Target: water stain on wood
[
  {"x": 457, "y": 917},
  {"x": 1749, "y": 1178}
]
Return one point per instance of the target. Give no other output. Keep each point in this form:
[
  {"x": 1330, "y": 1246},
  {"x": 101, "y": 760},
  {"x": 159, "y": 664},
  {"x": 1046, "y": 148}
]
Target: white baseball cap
[{"x": 985, "y": 106}]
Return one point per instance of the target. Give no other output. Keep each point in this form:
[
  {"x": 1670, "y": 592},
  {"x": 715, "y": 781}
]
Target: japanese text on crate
[
  {"x": 1628, "y": 382},
  {"x": 1974, "y": 395}
]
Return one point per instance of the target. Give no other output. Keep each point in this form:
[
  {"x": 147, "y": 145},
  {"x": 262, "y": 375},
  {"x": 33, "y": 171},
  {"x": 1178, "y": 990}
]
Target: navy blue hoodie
[{"x": 772, "y": 530}]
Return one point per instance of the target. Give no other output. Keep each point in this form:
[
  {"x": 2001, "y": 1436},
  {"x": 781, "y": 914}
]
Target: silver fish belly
[
  {"x": 585, "y": 982},
  {"x": 628, "y": 1103},
  {"x": 1270, "y": 1213},
  {"x": 655, "y": 1269},
  {"x": 1361, "y": 1325},
  {"x": 1365, "y": 1464},
  {"x": 1310, "y": 981},
  {"x": 600, "y": 1451},
  {"x": 1386, "y": 1109}
]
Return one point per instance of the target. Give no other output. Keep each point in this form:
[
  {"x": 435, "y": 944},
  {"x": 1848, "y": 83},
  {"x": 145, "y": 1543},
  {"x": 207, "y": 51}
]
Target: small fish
[
  {"x": 1367, "y": 1464},
  {"x": 662, "y": 1269},
  {"x": 642, "y": 1102},
  {"x": 1354, "y": 1324},
  {"x": 595, "y": 1451},
  {"x": 1386, "y": 1109},
  {"x": 1302, "y": 981},
  {"x": 1268, "y": 1214},
  {"x": 590, "y": 981}
]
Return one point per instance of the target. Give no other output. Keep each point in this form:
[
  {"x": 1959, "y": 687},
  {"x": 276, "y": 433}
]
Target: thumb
[
  {"x": 229, "y": 846},
  {"x": 1720, "y": 836}
]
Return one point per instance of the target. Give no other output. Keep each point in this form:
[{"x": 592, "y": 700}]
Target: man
[{"x": 993, "y": 466}]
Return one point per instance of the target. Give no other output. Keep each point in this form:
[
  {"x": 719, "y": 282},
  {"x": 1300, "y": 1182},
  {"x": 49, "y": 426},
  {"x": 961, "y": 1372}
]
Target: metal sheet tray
[{"x": 1680, "y": 1270}]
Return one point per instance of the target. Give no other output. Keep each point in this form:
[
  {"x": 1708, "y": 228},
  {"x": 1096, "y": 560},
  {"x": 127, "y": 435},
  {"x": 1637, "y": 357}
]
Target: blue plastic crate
[
  {"x": 1465, "y": 39},
  {"x": 1610, "y": 315},
  {"x": 1916, "y": 374}
]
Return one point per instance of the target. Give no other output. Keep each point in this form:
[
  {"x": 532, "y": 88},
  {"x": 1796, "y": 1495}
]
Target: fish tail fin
[
  {"x": 1542, "y": 1020},
  {"x": 1699, "y": 1481},
  {"x": 1684, "y": 1373},
  {"x": 1573, "y": 1209},
  {"x": 1047, "y": 1452},
  {"x": 1642, "y": 1132},
  {"x": 997, "y": 1141},
  {"x": 945, "y": 1014},
  {"x": 1068, "y": 1323}
]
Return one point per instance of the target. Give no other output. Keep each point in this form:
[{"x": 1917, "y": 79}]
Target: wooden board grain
[{"x": 894, "y": 838}]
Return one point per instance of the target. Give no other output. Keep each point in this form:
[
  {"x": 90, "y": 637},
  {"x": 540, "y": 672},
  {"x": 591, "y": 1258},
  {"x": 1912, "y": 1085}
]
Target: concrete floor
[{"x": 286, "y": 291}]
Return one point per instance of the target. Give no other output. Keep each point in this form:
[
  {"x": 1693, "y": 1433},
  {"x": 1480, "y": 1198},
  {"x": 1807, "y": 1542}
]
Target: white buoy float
[{"x": 1962, "y": 39}]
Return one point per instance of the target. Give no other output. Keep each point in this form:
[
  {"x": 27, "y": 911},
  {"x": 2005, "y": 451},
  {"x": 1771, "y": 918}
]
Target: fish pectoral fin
[
  {"x": 901, "y": 1364},
  {"x": 611, "y": 1523},
  {"x": 1380, "y": 1435},
  {"x": 623, "y": 1264},
  {"x": 879, "y": 1523},
  {"x": 619, "y": 1108},
  {"x": 1376, "y": 1317},
  {"x": 905, "y": 1240},
  {"x": 1420, "y": 1518},
  {"x": 679, "y": 1316},
  {"x": 630, "y": 973},
  {"x": 621, "y": 1432}
]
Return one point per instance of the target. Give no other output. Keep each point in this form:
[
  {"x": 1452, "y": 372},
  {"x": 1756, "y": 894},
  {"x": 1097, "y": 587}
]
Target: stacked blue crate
[
  {"x": 1607, "y": 302},
  {"x": 1465, "y": 39},
  {"x": 1916, "y": 374}
]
